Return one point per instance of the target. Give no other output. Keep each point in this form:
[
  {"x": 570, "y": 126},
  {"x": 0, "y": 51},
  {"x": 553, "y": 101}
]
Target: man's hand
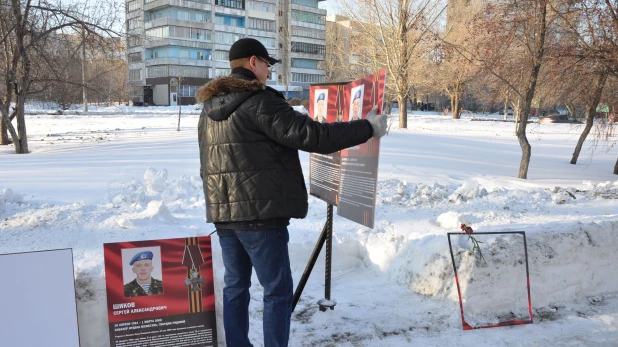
[{"x": 378, "y": 123}]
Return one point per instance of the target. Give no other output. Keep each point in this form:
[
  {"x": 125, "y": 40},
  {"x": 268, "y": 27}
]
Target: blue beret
[
  {"x": 146, "y": 255},
  {"x": 322, "y": 96},
  {"x": 357, "y": 95}
]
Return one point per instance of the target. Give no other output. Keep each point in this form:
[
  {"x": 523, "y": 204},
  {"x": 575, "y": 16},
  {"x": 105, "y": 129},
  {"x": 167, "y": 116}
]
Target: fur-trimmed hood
[
  {"x": 228, "y": 84},
  {"x": 222, "y": 96}
]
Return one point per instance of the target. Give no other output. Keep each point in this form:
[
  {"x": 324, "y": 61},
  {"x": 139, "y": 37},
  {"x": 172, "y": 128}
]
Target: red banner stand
[{"x": 465, "y": 324}]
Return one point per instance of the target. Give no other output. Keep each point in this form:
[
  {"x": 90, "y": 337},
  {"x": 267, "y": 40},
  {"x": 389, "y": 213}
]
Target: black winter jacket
[{"x": 249, "y": 138}]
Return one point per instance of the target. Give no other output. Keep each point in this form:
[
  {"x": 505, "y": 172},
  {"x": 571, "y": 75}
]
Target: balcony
[
  {"x": 177, "y": 22},
  {"x": 313, "y": 56},
  {"x": 178, "y": 61},
  {"x": 230, "y": 29},
  {"x": 177, "y": 3},
  {"x": 308, "y": 71},
  {"x": 308, "y": 9},
  {"x": 151, "y": 42}
]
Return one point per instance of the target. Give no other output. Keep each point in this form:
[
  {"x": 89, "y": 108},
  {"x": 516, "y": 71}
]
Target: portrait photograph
[
  {"x": 356, "y": 103},
  {"x": 320, "y": 104},
  {"x": 141, "y": 270}
]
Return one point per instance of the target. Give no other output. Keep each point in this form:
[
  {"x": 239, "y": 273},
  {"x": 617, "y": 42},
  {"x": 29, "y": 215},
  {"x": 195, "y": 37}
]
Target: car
[
  {"x": 559, "y": 118},
  {"x": 509, "y": 112}
]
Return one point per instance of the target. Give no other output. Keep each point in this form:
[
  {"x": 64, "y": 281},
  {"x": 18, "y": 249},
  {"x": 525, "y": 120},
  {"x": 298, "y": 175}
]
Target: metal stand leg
[
  {"x": 314, "y": 256},
  {"x": 327, "y": 302},
  {"x": 325, "y": 236}
]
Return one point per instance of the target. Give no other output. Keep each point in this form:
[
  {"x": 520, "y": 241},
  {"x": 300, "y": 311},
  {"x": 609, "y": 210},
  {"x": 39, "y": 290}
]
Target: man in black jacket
[{"x": 249, "y": 138}]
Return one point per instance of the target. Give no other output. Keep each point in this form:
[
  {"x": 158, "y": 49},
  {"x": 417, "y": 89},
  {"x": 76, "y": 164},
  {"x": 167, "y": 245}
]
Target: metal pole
[{"x": 327, "y": 302}]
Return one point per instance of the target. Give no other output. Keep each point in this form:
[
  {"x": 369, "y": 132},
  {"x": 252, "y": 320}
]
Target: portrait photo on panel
[
  {"x": 320, "y": 104},
  {"x": 356, "y": 106},
  {"x": 141, "y": 271}
]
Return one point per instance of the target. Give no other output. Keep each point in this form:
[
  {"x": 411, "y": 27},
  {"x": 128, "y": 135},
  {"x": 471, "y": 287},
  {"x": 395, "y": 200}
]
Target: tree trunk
[
  {"x": 20, "y": 139},
  {"x": 456, "y": 104},
  {"x": 524, "y": 111},
  {"x": 506, "y": 108},
  {"x": 516, "y": 112},
  {"x": 403, "y": 111},
  {"x": 6, "y": 123},
  {"x": 4, "y": 131},
  {"x": 590, "y": 111},
  {"x": 571, "y": 110},
  {"x": 84, "y": 78},
  {"x": 616, "y": 168},
  {"x": 179, "y": 110}
]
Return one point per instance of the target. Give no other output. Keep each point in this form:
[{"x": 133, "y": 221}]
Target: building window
[
  {"x": 307, "y": 78},
  {"x": 133, "y": 5},
  {"x": 227, "y": 38},
  {"x": 222, "y": 72},
  {"x": 183, "y": 15},
  {"x": 200, "y": 55},
  {"x": 230, "y": 20},
  {"x": 222, "y": 55},
  {"x": 306, "y": 32},
  {"x": 135, "y": 57},
  {"x": 308, "y": 17},
  {"x": 261, "y": 24},
  {"x": 308, "y": 3},
  {"x": 135, "y": 74},
  {"x": 133, "y": 23},
  {"x": 180, "y": 32},
  {"x": 261, "y": 6},
  {"x": 193, "y": 16},
  {"x": 231, "y": 3},
  {"x": 303, "y": 47},
  {"x": 187, "y": 91},
  {"x": 134, "y": 40},
  {"x": 175, "y": 71},
  {"x": 305, "y": 63},
  {"x": 266, "y": 41}
]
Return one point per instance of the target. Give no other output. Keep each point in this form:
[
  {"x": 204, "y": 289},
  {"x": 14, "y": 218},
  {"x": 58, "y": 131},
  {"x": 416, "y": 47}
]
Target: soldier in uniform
[
  {"x": 143, "y": 284},
  {"x": 356, "y": 107},
  {"x": 320, "y": 108}
]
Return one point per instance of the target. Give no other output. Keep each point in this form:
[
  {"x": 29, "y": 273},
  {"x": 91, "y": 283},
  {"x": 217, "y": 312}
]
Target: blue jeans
[{"x": 267, "y": 251}]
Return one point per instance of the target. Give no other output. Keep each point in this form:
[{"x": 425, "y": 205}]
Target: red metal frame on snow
[{"x": 465, "y": 324}]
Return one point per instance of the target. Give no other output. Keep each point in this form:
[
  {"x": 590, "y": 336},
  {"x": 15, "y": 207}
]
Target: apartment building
[{"x": 175, "y": 46}]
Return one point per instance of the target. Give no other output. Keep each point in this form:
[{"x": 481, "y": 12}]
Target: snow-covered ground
[{"x": 126, "y": 174}]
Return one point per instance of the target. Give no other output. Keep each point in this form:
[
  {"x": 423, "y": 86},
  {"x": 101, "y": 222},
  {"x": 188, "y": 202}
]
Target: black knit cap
[{"x": 247, "y": 47}]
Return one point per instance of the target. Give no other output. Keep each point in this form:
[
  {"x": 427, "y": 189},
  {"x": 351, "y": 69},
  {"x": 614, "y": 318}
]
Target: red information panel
[
  {"x": 326, "y": 105},
  {"x": 347, "y": 179},
  {"x": 359, "y": 164},
  {"x": 160, "y": 293}
]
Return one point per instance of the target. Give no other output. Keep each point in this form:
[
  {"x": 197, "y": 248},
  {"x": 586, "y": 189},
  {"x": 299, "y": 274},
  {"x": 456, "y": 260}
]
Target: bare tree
[
  {"x": 593, "y": 25},
  {"x": 511, "y": 46},
  {"x": 26, "y": 27},
  {"x": 591, "y": 107},
  {"x": 391, "y": 32}
]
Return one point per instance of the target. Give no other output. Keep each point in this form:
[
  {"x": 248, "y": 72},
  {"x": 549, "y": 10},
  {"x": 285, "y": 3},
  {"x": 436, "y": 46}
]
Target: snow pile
[
  {"x": 606, "y": 190},
  {"x": 160, "y": 195},
  {"x": 397, "y": 192},
  {"x": 555, "y": 254},
  {"x": 8, "y": 196},
  {"x": 181, "y": 192}
]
